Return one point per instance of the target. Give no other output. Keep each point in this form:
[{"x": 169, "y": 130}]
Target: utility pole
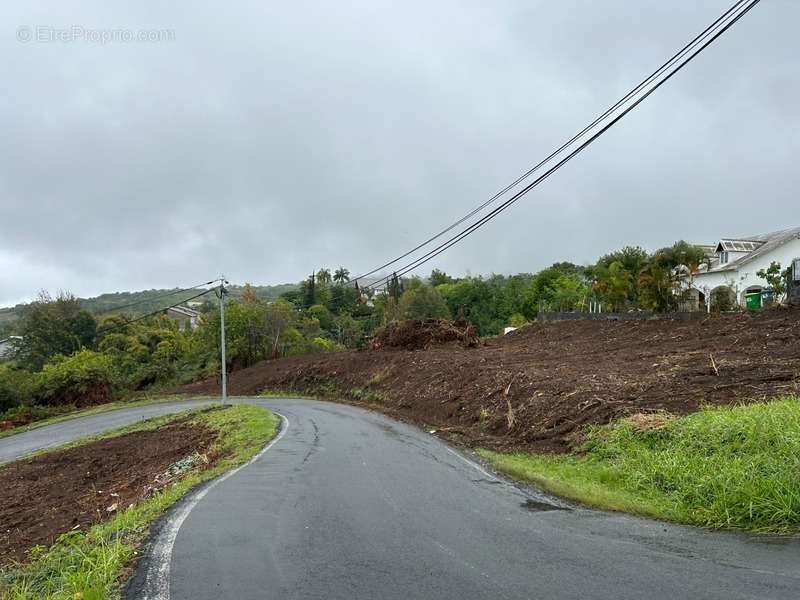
[{"x": 222, "y": 292}]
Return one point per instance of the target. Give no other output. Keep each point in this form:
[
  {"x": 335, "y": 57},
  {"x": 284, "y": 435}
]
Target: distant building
[
  {"x": 8, "y": 345},
  {"x": 186, "y": 318},
  {"x": 734, "y": 262}
]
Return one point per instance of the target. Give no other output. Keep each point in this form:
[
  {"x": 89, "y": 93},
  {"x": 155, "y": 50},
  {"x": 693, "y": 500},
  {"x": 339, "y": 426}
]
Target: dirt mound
[
  {"x": 420, "y": 334},
  {"x": 535, "y": 390},
  {"x": 46, "y": 496}
]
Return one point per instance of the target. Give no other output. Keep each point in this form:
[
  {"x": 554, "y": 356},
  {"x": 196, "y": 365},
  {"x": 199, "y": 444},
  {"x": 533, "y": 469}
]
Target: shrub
[
  {"x": 83, "y": 379},
  {"x": 517, "y": 320},
  {"x": 16, "y": 387},
  {"x": 319, "y": 344}
]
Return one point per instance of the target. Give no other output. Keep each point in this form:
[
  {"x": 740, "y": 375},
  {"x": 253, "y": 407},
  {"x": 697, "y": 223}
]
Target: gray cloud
[{"x": 268, "y": 139}]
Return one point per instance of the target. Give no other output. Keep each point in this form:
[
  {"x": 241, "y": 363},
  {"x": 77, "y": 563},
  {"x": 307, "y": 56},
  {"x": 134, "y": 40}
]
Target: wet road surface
[{"x": 351, "y": 504}]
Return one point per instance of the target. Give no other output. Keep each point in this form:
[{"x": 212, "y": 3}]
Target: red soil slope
[{"x": 558, "y": 377}]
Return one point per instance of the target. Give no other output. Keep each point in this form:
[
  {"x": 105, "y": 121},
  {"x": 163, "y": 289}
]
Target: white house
[
  {"x": 186, "y": 318},
  {"x": 8, "y": 345},
  {"x": 734, "y": 262}
]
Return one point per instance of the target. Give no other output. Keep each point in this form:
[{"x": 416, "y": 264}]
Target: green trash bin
[{"x": 753, "y": 301}]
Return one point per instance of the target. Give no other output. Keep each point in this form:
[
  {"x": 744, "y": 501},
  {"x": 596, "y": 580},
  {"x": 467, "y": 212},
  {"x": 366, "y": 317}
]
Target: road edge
[{"x": 150, "y": 580}]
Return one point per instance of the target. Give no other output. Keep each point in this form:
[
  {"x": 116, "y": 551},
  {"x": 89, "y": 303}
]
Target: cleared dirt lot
[
  {"x": 559, "y": 376},
  {"x": 45, "y": 496}
]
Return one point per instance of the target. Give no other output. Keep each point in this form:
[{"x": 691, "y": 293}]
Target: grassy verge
[
  {"x": 101, "y": 408},
  {"x": 284, "y": 394},
  {"x": 90, "y": 565},
  {"x": 736, "y": 467},
  {"x": 331, "y": 390}
]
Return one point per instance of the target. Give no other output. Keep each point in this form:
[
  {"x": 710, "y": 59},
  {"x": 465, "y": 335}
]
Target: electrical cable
[
  {"x": 489, "y": 216},
  {"x": 675, "y": 57},
  {"x": 151, "y": 314}
]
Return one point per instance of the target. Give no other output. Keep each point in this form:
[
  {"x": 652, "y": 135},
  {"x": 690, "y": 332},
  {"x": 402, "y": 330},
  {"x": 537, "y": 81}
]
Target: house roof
[
  {"x": 708, "y": 249},
  {"x": 761, "y": 245},
  {"x": 184, "y": 310},
  {"x": 738, "y": 245}
]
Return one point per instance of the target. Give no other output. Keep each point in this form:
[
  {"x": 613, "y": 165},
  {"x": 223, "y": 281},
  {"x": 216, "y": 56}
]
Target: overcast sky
[{"x": 265, "y": 139}]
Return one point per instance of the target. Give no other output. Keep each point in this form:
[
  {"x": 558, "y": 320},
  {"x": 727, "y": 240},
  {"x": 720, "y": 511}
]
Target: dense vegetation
[
  {"x": 720, "y": 467},
  {"x": 77, "y": 352},
  {"x": 145, "y": 301}
]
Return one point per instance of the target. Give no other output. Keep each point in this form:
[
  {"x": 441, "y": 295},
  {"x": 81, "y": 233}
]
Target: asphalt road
[
  {"x": 351, "y": 504},
  {"x": 19, "y": 445}
]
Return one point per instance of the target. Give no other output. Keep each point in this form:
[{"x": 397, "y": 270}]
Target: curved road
[{"x": 351, "y": 504}]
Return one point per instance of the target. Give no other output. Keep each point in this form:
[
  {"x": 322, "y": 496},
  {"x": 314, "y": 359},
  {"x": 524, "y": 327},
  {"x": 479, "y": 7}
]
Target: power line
[
  {"x": 489, "y": 216},
  {"x": 675, "y": 57},
  {"x": 153, "y": 299},
  {"x": 151, "y": 314}
]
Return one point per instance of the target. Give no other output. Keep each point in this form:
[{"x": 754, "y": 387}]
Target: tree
[
  {"x": 348, "y": 331},
  {"x": 543, "y": 284},
  {"x": 663, "y": 282},
  {"x": 776, "y": 279},
  {"x": 246, "y": 337},
  {"x": 395, "y": 287},
  {"x": 249, "y": 294},
  {"x": 51, "y": 326},
  {"x": 322, "y": 315},
  {"x": 487, "y": 303},
  {"x": 295, "y": 297},
  {"x": 341, "y": 276},
  {"x": 657, "y": 287},
  {"x": 344, "y": 299},
  {"x": 309, "y": 289},
  {"x": 616, "y": 275},
  {"x": 616, "y": 284},
  {"x": 421, "y": 301},
  {"x": 279, "y": 318},
  {"x": 567, "y": 292},
  {"x": 324, "y": 276},
  {"x": 438, "y": 277}
]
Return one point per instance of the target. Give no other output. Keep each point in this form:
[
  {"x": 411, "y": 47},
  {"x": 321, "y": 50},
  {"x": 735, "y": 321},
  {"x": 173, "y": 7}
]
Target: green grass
[
  {"x": 70, "y": 414},
  {"x": 90, "y": 565},
  {"x": 282, "y": 394},
  {"x": 331, "y": 390},
  {"x": 736, "y": 467}
]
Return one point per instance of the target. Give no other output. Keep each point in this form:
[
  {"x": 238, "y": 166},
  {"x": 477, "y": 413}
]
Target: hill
[{"x": 146, "y": 301}]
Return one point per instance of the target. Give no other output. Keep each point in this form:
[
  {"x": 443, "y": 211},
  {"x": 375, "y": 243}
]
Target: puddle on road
[{"x": 539, "y": 506}]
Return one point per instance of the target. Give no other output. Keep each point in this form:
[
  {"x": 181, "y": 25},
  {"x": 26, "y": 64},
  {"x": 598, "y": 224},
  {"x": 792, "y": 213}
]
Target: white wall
[{"x": 746, "y": 276}]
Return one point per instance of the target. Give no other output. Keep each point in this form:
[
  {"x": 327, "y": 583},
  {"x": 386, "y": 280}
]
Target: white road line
[
  {"x": 472, "y": 464},
  {"x": 156, "y": 586}
]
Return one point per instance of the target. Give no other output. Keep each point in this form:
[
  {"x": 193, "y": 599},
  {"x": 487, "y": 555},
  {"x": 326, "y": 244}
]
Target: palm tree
[
  {"x": 324, "y": 276},
  {"x": 341, "y": 275}
]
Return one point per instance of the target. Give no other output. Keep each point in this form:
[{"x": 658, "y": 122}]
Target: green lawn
[
  {"x": 90, "y": 565},
  {"x": 736, "y": 467}
]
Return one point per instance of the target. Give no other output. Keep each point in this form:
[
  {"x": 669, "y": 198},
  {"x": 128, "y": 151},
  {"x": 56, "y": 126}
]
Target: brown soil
[
  {"x": 535, "y": 389},
  {"x": 416, "y": 335},
  {"x": 48, "y": 495}
]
